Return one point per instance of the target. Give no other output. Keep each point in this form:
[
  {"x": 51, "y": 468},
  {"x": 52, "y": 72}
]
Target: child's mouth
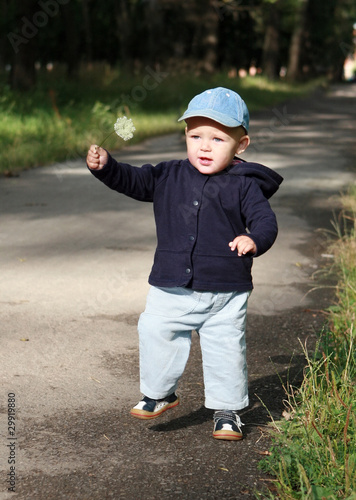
[{"x": 205, "y": 161}]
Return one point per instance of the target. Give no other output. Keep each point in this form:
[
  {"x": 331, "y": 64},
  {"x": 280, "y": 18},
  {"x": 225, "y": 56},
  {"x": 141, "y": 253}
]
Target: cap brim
[{"x": 213, "y": 115}]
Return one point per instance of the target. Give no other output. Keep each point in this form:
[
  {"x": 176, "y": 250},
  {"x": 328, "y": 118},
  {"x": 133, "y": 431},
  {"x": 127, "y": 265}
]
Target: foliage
[
  {"x": 194, "y": 36},
  {"x": 342, "y": 315},
  {"x": 314, "y": 448},
  {"x": 60, "y": 119}
]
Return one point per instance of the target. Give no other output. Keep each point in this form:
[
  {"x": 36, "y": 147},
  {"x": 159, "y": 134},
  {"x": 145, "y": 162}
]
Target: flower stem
[{"x": 106, "y": 138}]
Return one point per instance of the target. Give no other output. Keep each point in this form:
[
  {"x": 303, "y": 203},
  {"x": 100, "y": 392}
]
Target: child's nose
[{"x": 205, "y": 145}]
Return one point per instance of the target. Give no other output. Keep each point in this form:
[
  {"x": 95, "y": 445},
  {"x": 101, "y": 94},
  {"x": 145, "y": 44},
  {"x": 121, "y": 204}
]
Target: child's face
[{"x": 212, "y": 146}]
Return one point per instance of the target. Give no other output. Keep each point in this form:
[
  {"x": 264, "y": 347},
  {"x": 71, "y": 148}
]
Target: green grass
[
  {"x": 60, "y": 119},
  {"x": 314, "y": 451}
]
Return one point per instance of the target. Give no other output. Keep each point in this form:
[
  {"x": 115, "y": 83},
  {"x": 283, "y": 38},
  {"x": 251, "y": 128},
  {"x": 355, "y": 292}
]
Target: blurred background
[{"x": 68, "y": 68}]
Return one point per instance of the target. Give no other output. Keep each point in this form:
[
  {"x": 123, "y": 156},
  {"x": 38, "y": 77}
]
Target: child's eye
[{"x": 217, "y": 139}]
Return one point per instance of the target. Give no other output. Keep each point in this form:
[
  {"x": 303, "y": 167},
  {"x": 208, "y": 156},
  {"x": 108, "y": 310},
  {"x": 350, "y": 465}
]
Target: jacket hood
[{"x": 268, "y": 180}]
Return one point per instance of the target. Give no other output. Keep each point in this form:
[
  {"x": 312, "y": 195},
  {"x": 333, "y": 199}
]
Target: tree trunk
[
  {"x": 296, "y": 46},
  {"x": 88, "y": 32},
  {"x": 271, "y": 56},
  {"x": 72, "y": 57},
  {"x": 123, "y": 25},
  {"x": 206, "y": 38},
  {"x": 23, "y": 74},
  {"x": 210, "y": 39},
  {"x": 3, "y": 41},
  {"x": 23, "y": 40}
]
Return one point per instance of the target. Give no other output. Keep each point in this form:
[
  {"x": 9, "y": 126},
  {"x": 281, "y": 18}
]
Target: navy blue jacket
[{"x": 197, "y": 215}]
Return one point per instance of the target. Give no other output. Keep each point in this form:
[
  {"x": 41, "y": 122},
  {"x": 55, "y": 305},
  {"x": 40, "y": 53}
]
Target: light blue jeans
[{"x": 165, "y": 330}]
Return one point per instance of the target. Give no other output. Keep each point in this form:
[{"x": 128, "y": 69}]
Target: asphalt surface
[{"x": 74, "y": 260}]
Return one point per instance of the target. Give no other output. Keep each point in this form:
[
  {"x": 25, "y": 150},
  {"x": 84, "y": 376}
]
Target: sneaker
[
  {"x": 227, "y": 425},
  {"x": 152, "y": 408}
]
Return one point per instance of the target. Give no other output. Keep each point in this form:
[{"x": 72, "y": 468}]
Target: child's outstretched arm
[
  {"x": 243, "y": 244},
  {"x": 97, "y": 157}
]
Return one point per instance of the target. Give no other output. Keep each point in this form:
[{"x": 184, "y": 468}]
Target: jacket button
[
  {"x": 188, "y": 270},
  {"x": 191, "y": 237},
  {"x": 195, "y": 203}
]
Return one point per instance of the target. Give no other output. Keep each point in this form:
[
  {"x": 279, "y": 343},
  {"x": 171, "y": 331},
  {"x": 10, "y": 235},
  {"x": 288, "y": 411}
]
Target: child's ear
[{"x": 244, "y": 143}]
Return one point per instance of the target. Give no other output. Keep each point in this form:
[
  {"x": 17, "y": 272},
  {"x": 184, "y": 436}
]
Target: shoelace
[{"x": 228, "y": 415}]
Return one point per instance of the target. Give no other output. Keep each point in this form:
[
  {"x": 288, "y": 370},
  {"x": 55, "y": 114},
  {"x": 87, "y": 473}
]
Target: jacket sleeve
[
  {"x": 260, "y": 219},
  {"x": 136, "y": 182}
]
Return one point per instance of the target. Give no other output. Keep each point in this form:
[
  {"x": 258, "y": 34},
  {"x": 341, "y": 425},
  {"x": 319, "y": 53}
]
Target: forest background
[
  {"x": 299, "y": 39},
  {"x": 69, "y": 68}
]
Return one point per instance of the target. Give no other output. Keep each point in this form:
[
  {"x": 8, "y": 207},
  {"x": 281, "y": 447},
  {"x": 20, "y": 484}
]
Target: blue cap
[{"x": 221, "y": 105}]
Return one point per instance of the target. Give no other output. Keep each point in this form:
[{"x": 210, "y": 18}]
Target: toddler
[{"x": 212, "y": 218}]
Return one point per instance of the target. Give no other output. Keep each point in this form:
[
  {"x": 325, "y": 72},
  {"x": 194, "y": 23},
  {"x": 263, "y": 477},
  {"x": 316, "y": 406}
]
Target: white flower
[{"x": 124, "y": 128}]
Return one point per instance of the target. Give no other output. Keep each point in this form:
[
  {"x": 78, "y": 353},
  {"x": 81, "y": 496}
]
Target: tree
[
  {"x": 328, "y": 30},
  {"x": 271, "y": 49},
  {"x": 123, "y": 18},
  {"x": 72, "y": 15},
  {"x": 23, "y": 39},
  {"x": 207, "y": 31},
  {"x": 296, "y": 45},
  {"x": 87, "y": 31}
]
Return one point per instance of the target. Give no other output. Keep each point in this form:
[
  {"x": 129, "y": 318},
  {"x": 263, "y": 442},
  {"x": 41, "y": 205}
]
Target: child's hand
[
  {"x": 97, "y": 157},
  {"x": 243, "y": 244}
]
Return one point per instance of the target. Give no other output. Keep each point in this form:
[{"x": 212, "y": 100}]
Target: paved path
[{"x": 74, "y": 260}]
